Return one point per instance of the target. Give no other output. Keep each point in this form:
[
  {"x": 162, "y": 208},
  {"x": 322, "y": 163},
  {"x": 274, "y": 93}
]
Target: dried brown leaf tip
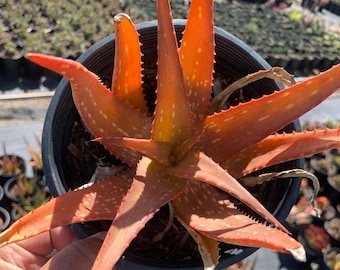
[{"x": 180, "y": 154}]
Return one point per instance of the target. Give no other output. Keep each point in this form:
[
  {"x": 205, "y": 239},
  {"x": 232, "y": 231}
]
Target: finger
[
  {"x": 43, "y": 244},
  {"x": 61, "y": 237},
  {"x": 8, "y": 266},
  {"x": 14, "y": 256},
  {"x": 31, "y": 253},
  {"x": 78, "y": 255}
]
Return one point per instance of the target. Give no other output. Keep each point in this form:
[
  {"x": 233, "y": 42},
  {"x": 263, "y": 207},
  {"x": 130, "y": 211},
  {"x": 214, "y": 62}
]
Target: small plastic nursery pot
[
  {"x": 332, "y": 189},
  {"x": 322, "y": 168},
  {"x": 5, "y": 219},
  {"x": 331, "y": 258},
  {"x": 234, "y": 59},
  {"x": 7, "y": 188},
  {"x": 4, "y": 215},
  {"x": 332, "y": 227}
]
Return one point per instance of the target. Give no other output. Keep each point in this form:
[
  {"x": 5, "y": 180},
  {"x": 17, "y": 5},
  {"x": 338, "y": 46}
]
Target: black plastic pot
[
  {"x": 31, "y": 74},
  {"x": 2, "y": 193},
  {"x": 322, "y": 168},
  {"x": 332, "y": 191},
  {"x": 10, "y": 183},
  {"x": 329, "y": 214},
  {"x": 11, "y": 67},
  {"x": 333, "y": 7},
  {"x": 7, "y": 189},
  {"x": 233, "y": 58},
  {"x": 5, "y": 217},
  {"x": 331, "y": 227}
]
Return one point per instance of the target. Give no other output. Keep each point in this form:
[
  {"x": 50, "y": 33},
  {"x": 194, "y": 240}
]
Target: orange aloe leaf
[
  {"x": 72, "y": 207},
  {"x": 173, "y": 121},
  {"x": 280, "y": 148},
  {"x": 197, "y": 56},
  {"x": 103, "y": 113},
  {"x": 216, "y": 217},
  {"x": 159, "y": 151},
  {"x": 196, "y": 165},
  {"x": 127, "y": 72},
  {"x": 259, "y": 118},
  {"x": 150, "y": 190}
]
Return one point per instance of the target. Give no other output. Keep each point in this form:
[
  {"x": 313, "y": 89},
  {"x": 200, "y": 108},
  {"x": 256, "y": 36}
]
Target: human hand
[{"x": 34, "y": 253}]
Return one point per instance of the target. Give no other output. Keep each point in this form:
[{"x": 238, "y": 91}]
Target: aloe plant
[
  {"x": 10, "y": 165},
  {"x": 179, "y": 154}
]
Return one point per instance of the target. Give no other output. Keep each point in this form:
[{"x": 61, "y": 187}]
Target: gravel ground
[{"x": 26, "y": 110}]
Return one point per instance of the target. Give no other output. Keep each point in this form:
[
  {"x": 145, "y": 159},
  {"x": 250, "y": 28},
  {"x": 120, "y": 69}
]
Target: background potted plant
[
  {"x": 298, "y": 218},
  {"x": 322, "y": 210},
  {"x": 332, "y": 189},
  {"x": 24, "y": 194},
  {"x": 10, "y": 165},
  {"x": 332, "y": 227},
  {"x": 21, "y": 188},
  {"x": 36, "y": 160},
  {"x": 315, "y": 240},
  {"x": 322, "y": 167},
  {"x": 26, "y": 204},
  {"x": 332, "y": 258}
]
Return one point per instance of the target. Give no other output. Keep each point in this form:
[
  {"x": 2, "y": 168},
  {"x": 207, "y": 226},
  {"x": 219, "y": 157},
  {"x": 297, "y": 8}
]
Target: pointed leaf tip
[
  {"x": 103, "y": 113},
  {"x": 197, "y": 56},
  {"x": 127, "y": 72}
]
